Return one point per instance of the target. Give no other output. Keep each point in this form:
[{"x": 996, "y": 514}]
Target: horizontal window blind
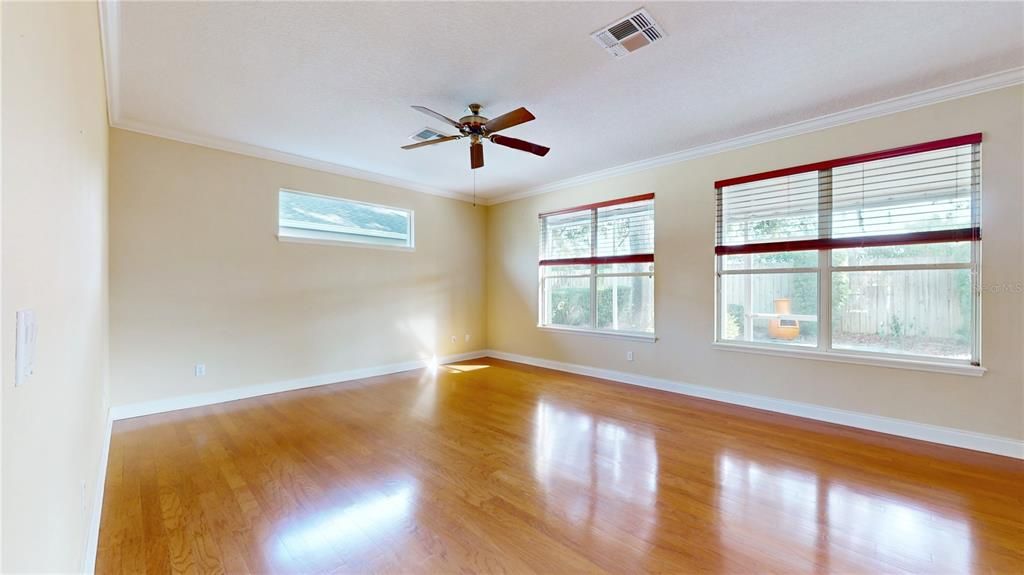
[
  {"x": 916, "y": 194},
  {"x": 616, "y": 231}
]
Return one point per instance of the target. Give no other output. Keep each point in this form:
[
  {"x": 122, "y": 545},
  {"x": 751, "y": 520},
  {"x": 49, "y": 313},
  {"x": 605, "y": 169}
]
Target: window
[
  {"x": 869, "y": 255},
  {"x": 597, "y": 267},
  {"x": 310, "y": 217}
]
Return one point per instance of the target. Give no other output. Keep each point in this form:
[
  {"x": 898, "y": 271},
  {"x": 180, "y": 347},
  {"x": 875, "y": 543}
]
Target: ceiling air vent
[
  {"x": 426, "y": 134},
  {"x": 629, "y": 34}
]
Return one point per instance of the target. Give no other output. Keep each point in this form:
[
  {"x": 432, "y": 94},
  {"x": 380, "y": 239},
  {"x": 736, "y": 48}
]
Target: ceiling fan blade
[
  {"x": 520, "y": 145},
  {"x": 441, "y": 117},
  {"x": 430, "y": 142},
  {"x": 476, "y": 155},
  {"x": 513, "y": 118}
]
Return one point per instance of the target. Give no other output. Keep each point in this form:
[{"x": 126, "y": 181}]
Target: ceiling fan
[{"x": 477, "y": 128}]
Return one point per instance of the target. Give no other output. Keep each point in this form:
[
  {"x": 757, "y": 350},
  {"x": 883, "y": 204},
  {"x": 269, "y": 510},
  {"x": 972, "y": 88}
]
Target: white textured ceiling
[{"x": 334, "y": 81}]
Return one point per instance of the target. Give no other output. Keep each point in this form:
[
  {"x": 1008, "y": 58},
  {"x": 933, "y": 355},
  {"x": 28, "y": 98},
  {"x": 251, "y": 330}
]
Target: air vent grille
[
  {"x": 629, "y": 34},
  {"x": 426, "y": 134},
  {"x": 652, "y": 34},
  {"x": 623, "y": 29},
  {"x": 641, "y": 21}
]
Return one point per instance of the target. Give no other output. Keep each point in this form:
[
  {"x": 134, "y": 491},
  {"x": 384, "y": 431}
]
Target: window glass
[
  {"x": 918, "y": 312},
  {"x": 771, "y": 260},
  {"x": 914, "y": 254},
  {"x": 779, "y": 308},
  {"x": 567, "y": 301},
  {"x": 625, "y": 303},
  {"x": 309, "y": 216}
]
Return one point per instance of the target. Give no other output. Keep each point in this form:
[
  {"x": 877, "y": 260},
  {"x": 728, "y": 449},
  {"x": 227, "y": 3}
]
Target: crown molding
[
  {"x": 250, "y": 150},
  {"x": 110, "y": 44},
  {"x": 110, "y": 33},
  {"x": 953, "y": 91},
  {"x": 110, "y": 38}
]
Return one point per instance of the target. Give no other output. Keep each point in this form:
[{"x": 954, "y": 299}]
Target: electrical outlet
[
  {"x": 454, "y": 339},
  {"x": 85, "y": 497},
  {"x": 629, "y": 356},
  {"x": 200, "y": 369}
]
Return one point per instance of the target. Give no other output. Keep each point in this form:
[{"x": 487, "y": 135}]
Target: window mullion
[
  {"x": 593, "y": 269},
  {"x": 825, "y": 260},
  {"x": 976, "y": 256},
  {"x": 720, "y": 306}
]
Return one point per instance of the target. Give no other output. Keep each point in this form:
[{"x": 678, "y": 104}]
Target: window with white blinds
[
  {"x": 869, "y": 254},
  {"x": 597, "y": 266},
  {"x": 917, "y": 194}
]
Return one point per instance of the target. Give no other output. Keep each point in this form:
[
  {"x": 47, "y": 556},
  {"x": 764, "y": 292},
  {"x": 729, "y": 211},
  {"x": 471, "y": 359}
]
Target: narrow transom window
[
  {"x": 316, "y": 218},
  {"x": 597, "y": 266},
  {"x": 875, "y": 254}
]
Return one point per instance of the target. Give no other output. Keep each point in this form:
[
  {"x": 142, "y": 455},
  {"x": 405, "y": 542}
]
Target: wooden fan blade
[
  {"x": 476, "y": 156},
  {"x": 430, "y": 142},
  {"x": 441, "y": 117},
  {"x": 520, "y": 145},
  {"x": 513, "y": 118}
]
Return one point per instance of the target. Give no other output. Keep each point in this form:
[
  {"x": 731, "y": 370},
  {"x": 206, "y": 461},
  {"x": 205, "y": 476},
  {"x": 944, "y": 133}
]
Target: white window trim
[
  {"x": 824, "y": 350},
  {"x": 318, "y": 236},
  {"x": 873, "y": 359},
  {"x": 619, "y": 334},
  {"x": 298, "y": 238}
]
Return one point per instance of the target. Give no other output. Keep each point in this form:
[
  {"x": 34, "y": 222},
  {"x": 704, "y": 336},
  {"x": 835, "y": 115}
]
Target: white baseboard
[
  {"x": 200, "y": 399},
  {"x": 93, "y": 535},
  {"x": 903, "y": 428}
]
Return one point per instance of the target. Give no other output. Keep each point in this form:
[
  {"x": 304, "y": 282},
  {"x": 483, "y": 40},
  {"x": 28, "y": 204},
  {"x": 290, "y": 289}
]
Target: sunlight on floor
[{"x": 464, "y": 368}]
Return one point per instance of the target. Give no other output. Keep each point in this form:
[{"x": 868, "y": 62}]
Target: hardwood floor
[{"x": 491, "y": 466}]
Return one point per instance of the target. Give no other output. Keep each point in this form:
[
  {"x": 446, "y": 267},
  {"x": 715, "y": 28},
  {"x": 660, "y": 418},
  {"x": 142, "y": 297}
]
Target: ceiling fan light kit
[{"x": 478, "y": 128}]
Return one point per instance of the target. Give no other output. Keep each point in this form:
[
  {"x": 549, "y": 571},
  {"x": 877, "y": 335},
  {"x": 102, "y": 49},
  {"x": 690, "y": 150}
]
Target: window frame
[
  {"x": 593, "y": 261},
  {"x": 310, "y": 235},
  {"x": 825, "y": 269}
]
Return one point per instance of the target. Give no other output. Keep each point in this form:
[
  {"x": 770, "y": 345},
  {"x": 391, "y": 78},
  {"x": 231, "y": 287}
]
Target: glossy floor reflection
[{"x": 492, "y": 466}]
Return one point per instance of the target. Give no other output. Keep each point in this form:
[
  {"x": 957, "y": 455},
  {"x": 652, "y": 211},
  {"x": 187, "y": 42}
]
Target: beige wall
[
  {"x": 198, "y": 276},
  {"x": 684, "y": 284},
  {"x": 54, "y": 262}
]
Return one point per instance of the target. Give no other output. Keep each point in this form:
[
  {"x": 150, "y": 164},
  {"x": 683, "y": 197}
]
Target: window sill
[
  {"x": 650, "y": 337},
  {"x": 854, "y": 358},
  {"x": 331, "y": 242}
]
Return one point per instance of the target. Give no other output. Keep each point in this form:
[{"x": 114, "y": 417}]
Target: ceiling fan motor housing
[{"x": 474, "y": 122}]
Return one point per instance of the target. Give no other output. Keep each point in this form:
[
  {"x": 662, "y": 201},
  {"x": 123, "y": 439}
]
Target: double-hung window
[
  {"x": 316, "y": 218},
  {"x": 872, "y": 255},
  {"x": 597, "y": 267}
]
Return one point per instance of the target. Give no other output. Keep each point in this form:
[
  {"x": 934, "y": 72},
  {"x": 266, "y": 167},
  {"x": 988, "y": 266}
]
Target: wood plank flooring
[{"x": 494, "y": 467}]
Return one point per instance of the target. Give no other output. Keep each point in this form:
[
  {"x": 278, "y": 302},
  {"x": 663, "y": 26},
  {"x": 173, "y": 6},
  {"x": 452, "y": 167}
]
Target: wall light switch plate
[
  {"x": 629, "y": 356},
  {"x": 24, "y": 346},
  {"x": 200, "y": 369}
]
